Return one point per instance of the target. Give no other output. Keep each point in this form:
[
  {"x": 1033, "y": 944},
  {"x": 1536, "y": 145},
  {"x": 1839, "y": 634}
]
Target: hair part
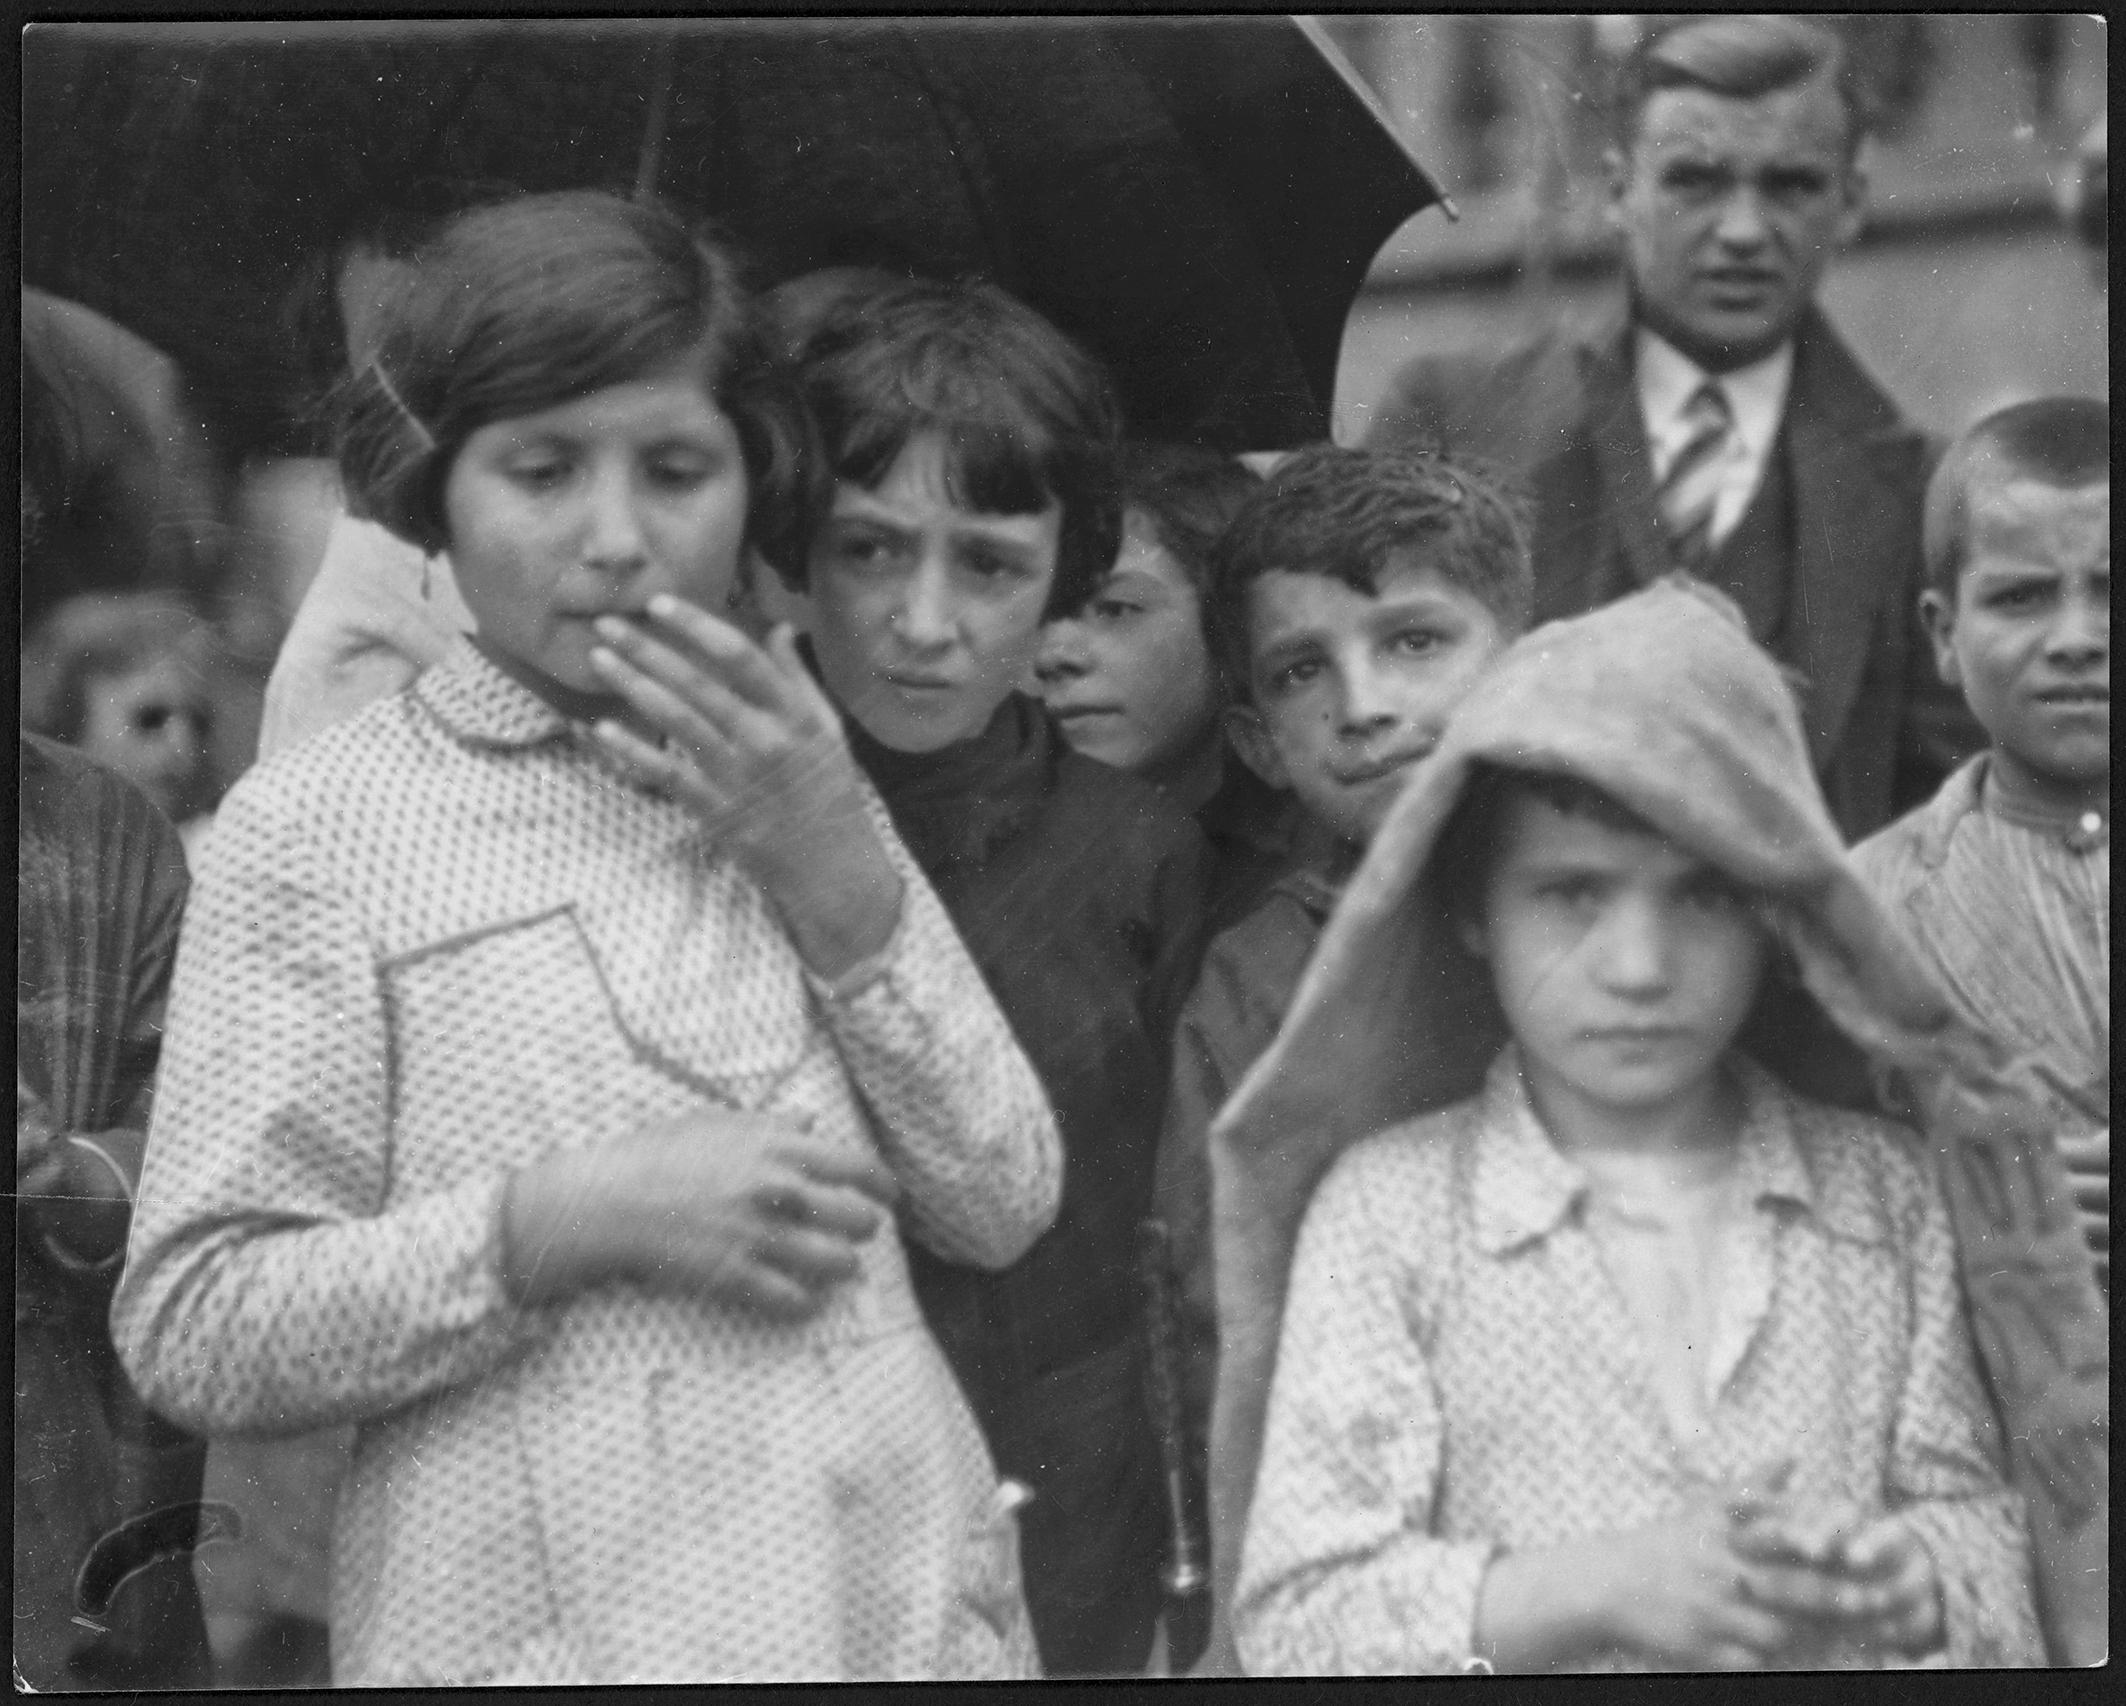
[
  {"x": 524, "y": 304},
  {"x": 2063, "y": 442},
  {"x": 1742, "y": 56},
  {"x": 1025, "y": 418},
  {"x": 97, "y": 635},
  {"x": 1344, "y": 514}
]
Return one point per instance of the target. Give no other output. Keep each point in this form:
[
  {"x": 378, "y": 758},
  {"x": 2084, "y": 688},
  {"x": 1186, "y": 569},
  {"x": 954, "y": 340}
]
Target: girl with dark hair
[
  {"x": 973, "y": 452},
  {"x": 549, "y": 1138}
]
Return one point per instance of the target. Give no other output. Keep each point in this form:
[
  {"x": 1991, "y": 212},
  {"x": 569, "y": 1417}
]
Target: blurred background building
[{"x": 1967, "y": 290}]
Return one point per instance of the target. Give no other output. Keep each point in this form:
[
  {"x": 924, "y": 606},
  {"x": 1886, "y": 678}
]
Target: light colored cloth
[
  {"x": 1461, "y": 1375},
  {"x": 1661, "y": 701},
  {"x": 2014, "y": 918},
  {"x": 377, "y": 613},
  {"x": 444, "y": 940},
  {"x": 1667, "y": 380},
  {"x": 1665, "y": 1223}
]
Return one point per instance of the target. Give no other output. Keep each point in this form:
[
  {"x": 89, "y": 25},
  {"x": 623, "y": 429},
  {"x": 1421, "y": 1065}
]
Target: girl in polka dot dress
[{"x": 550, "y": 1134}]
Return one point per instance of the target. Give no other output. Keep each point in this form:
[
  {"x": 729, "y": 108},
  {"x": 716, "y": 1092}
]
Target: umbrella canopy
[{"x": 1196, "y": 200}]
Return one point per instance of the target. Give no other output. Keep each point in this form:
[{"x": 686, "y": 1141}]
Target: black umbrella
[{"x": 1197, "y": 200}]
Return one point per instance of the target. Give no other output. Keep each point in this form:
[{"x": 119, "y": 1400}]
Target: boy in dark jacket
[
  {"x": 1134, "y": 681},
  {"x": 1359, "y": 595}
]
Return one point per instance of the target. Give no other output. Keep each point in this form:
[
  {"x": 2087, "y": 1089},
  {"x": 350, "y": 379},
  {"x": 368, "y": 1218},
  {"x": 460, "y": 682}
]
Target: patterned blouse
[
  {"x": 430, "y": 946},
  {"x": 1458, "y": 1376}
]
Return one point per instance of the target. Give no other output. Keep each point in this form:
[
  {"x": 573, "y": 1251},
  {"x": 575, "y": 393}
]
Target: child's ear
[
  {"x": 1939, "y": 614},
  {"x": 1244, "y": 727}
]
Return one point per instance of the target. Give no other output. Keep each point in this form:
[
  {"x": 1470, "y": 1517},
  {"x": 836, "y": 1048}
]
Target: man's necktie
[{"x": 1690, "y": 490}]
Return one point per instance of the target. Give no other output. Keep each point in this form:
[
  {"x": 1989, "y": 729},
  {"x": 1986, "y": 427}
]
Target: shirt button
[{"x": 2091, "y": 823}]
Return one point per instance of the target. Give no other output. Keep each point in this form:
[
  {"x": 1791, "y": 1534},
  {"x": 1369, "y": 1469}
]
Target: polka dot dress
[{"x": 438, "y": 943}]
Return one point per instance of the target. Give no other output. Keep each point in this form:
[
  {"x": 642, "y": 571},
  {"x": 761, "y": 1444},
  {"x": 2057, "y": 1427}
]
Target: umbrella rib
[
  {"x": 992, "y": 235},
  {"x": 650, "y": 162}
]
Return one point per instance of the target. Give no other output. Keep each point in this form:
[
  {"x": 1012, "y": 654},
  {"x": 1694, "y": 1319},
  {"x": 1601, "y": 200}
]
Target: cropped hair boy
[
  {"x": 1134, "y": 681},
  {"x": 2003, "y": 879},
  {"x": 1574, "y": 1330},
  {"x": 1357, "y": 596}
]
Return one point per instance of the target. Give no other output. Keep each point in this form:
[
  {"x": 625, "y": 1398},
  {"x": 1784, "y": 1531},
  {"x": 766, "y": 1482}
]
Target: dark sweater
[{"x": 1077, "y": 890}]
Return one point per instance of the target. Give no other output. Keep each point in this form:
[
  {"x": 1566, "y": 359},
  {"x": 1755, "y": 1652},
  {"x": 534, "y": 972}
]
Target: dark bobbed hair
[
  {"x": 1188, "y": 495},
  {"x": 1740, "y": 55},
  {"x": 1343, "y": 513},
  {"x": 1026, "y": 417},
  {"x": 95, "y": 635},
  {"x": 2055, "y": 441},
  {"x": 526, "y": 303}
]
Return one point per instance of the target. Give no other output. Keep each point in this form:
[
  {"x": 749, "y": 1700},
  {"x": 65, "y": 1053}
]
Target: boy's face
[
  {"x": 923, "y": 614},
  {"x": 1129, "y": 677},
  {"x": 152, "y": 725},
  {"x": 1351, "y": 688},
  {"x": 2028, "y": 636},
  {"x": 1625, "y": 966}
]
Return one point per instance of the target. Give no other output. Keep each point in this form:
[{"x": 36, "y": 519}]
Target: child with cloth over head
[{"x": 1604, "y": 1344}]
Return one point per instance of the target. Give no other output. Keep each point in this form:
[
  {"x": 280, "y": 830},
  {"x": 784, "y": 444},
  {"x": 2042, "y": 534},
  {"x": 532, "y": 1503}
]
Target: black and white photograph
[{"x": 1138, "y": 846}]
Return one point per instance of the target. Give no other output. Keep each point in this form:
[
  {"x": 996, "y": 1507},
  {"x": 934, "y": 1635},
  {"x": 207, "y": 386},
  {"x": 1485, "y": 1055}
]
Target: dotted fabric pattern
[
  {"x": 1458, "y": 1376},
  {"x": 443, "y": 940}
]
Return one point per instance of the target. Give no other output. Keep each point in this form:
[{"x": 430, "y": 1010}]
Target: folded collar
[
  {"x": 481, "y": 706},
  {"x": 1524, "y": 1186}
]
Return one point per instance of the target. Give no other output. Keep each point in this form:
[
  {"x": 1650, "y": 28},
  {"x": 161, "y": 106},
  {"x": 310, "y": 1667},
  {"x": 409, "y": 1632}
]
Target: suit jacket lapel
[
  {"x": 1850, "y": 457},
  {"x": 1618, "y": 431}
]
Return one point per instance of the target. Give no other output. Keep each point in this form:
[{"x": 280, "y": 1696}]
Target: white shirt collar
[{"x": 1667, "y": 379}]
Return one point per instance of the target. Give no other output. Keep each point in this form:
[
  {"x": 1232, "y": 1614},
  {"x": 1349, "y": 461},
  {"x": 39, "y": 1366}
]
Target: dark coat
[
  {"x": 102, "y": 888},
  {"x": 1077, "y": 890},
  {"x": 1561, "y": 414}
]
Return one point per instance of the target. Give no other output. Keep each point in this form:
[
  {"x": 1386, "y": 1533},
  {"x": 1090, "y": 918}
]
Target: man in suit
[{"x": 1715, "y": 422}]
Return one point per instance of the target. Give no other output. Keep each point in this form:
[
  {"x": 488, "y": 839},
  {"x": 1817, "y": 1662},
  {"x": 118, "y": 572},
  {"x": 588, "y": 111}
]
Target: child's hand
[
  {"x": 1851, "y": 1578},
  {"x": 756, "y": 751},
  {"x": 1677, "y": 1592},
  {"x": 740, "y": 1209}
]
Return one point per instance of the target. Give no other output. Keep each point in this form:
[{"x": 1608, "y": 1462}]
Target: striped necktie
[{"x": 1690, "y": 491}]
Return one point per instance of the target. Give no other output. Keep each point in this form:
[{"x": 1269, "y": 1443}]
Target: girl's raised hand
[{"x": 755, "y": 748}]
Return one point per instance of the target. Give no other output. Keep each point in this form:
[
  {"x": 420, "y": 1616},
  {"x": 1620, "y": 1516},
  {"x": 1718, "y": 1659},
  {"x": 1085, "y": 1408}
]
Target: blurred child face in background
[
  {"x": 1352, "y": 688},
  {"x": 588, "y": 509},
  {"x": 153, "y": 725},
  {"x": 2028, "y": 634},
  {"x": 1129, "y": 677},
  {"x": 924, "y": 614},
  {"x": 1624, "y": 965}
]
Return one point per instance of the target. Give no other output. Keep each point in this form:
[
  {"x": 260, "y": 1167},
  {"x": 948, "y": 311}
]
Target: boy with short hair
[
  {"x": 2003, "y": 879},
  {"x": 1621, "y": 1352},
  {"x": 1358, "y": 595},
  {"x": 1131, "y": 676}
]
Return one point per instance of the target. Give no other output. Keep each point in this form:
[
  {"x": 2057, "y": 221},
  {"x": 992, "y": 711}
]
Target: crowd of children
[{"x": 679, "y": 1068}]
